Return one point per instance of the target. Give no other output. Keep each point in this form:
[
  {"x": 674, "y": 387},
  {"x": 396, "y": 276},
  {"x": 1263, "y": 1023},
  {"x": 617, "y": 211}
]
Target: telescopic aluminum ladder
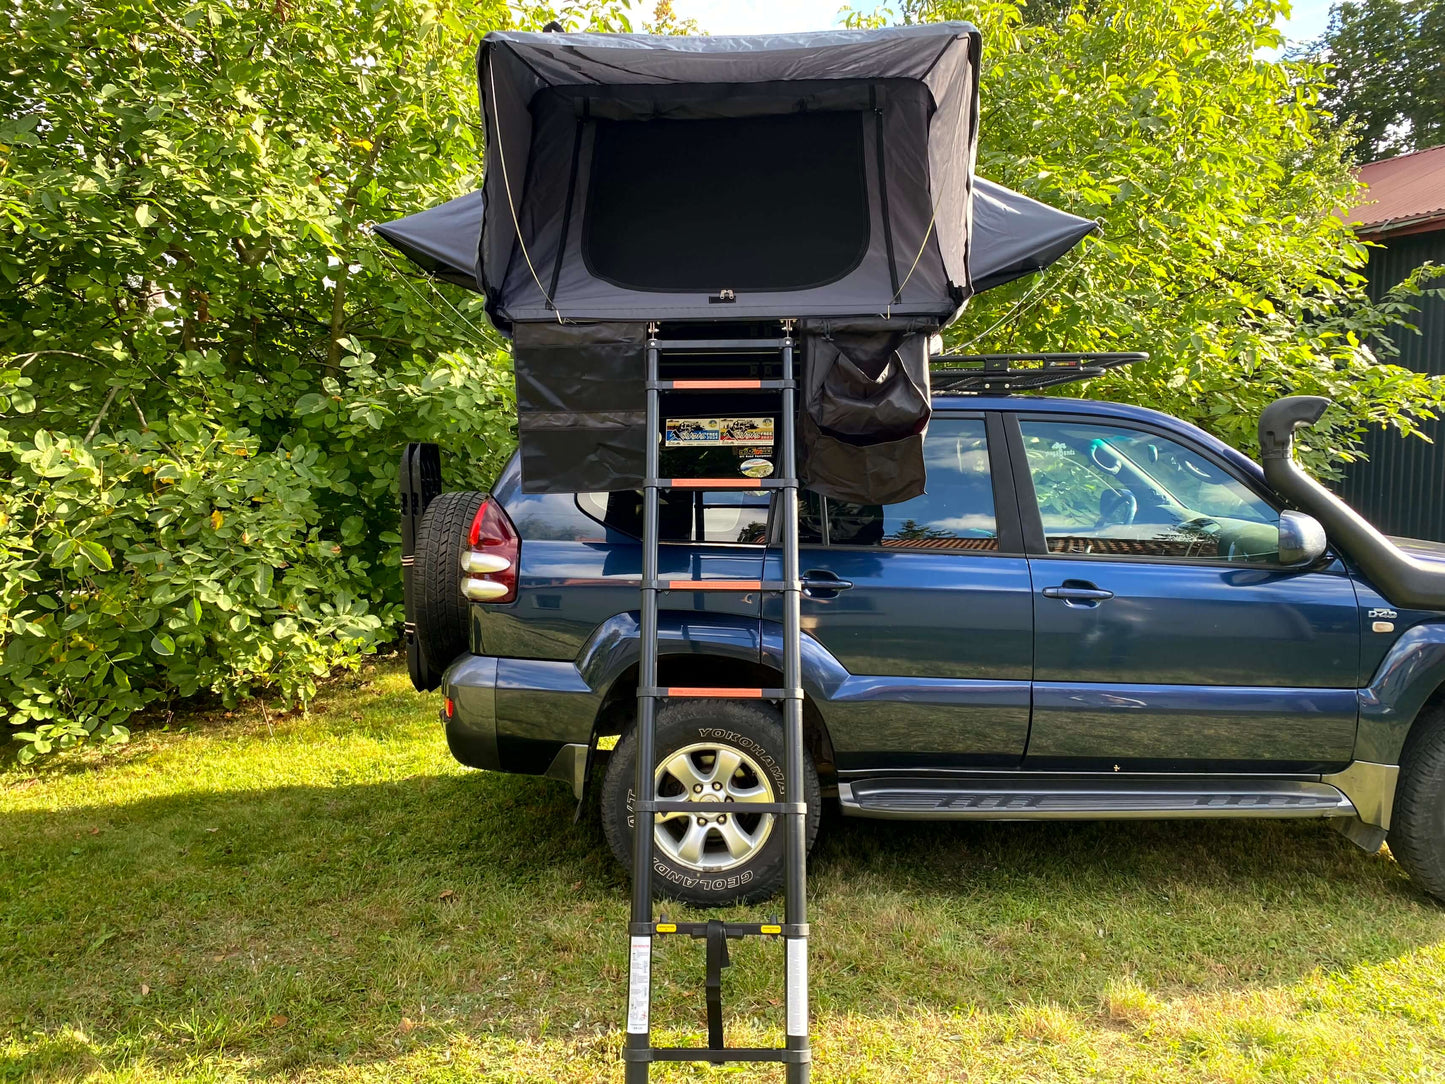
[{"x": 638, "y": 1051}]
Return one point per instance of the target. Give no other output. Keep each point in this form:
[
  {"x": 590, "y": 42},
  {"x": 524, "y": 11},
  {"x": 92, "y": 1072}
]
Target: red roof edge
[{"x": 1404, "y": 194}]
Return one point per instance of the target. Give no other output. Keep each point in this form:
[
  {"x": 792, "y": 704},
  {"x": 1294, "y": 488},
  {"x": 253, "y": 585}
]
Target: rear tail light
[{"x": 489, "y": 563}]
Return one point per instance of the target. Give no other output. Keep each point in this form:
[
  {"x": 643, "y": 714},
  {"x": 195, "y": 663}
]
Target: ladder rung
[
  {"x": 721, "y": 385},
  {"x": 759, "y": 345},
  {"x": 721, "y": 585},
  {"x": 724, "y": 1053},
  {"x": 719, "y": 483},
  {"x": 720, "y": 693},
  {"x": 698, "y": 930},
  {"x": 712, "y": 809}
]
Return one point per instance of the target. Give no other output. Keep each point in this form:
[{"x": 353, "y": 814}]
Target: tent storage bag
[
  {"x": 865, "y": 411},
  {"x": 581, "y": 406}
]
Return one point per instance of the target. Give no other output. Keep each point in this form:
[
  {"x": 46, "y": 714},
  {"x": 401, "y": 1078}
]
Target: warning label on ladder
[{"x": 639, "y": 983}]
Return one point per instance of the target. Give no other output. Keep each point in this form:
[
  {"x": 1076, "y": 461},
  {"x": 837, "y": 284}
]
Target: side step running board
[{"x": 1041, "y": 797}]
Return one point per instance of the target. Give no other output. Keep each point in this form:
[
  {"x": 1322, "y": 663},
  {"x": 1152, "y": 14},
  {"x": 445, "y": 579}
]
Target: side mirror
[{"x": 1301, "y": 540}]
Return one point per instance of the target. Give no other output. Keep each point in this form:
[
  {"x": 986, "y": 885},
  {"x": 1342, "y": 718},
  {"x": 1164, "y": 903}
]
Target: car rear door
[
  {"x": 926, "y": 608},
  {"x": 1166, "y": 635}
]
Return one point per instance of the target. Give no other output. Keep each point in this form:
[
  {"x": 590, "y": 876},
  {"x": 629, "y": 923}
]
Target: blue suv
[{"x": 1096, "y": 611}]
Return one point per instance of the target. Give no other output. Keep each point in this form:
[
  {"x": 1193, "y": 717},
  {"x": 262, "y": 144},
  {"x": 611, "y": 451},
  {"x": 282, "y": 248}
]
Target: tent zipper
[
  {"x": 567, "y": 207},
  {"x": 883, "y": 191}
]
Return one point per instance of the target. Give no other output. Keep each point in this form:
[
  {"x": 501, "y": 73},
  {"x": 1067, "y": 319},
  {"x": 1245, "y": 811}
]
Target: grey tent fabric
[
  {"x": 1013, "y": 236},
  {"x": 898, "y": 107},
  {"x": 442, "y": 240},
  {"x": 581, "y": 419}
]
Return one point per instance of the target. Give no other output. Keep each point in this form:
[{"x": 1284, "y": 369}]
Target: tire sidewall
[
  {"x": 1417, "y": 834},
  {"x": 749, "y": 730},
  {"x": 440, "y": 612}
]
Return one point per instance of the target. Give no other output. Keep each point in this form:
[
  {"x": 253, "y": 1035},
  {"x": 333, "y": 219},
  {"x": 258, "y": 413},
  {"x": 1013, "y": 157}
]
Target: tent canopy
[
  {"x": 637, "y": 177},
  {"x": 632, "y": 178},
  {"x": 822, "y": 177},
  {"x": 1013, "y": 236}
]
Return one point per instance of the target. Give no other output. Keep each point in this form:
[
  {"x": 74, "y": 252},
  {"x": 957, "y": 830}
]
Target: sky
[{"x": 1307, "y": 19}]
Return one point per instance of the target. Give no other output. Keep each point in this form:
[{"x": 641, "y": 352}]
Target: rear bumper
[
  {"x": 470, "y": 683},
  {"x": 527, "y": 716}
]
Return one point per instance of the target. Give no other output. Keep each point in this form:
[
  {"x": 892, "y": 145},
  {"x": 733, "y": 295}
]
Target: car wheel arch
[
  {"x": 1407, "y": 686},
  {"x": 616, "y": 712}
]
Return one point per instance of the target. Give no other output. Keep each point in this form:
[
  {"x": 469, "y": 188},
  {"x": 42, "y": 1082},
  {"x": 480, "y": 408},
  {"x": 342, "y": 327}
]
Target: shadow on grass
[{"x": 301, "y": 927}]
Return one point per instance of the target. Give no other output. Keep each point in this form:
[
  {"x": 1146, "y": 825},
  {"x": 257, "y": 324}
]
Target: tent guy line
[{"x": 430, "y": 280}]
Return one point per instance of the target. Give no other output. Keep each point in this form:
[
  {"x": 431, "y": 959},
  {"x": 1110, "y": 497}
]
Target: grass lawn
[{"x": 331, "y": 898}]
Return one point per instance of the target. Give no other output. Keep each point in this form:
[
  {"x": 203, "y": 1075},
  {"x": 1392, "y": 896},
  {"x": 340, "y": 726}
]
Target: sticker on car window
[{"x": 716, "y": 432}]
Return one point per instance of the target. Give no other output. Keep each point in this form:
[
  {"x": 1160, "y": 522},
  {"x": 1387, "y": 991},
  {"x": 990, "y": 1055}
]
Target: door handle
[
  {"x": 1078, "y": 593},
  {"x": 820, "y": 583}
]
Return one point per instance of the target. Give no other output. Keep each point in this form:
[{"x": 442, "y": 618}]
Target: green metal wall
[{"x": 1401, "y": 489}]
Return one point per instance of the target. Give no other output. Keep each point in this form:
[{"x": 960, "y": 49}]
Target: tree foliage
[
  {"x": 1214, "y": 174},
  {"x": 1387, "y": 73},
  {"x": 207, "y": 363}
]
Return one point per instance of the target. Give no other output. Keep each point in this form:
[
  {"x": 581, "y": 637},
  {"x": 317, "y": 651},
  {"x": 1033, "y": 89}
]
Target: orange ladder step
[
  {"x": 723, "y": 693},
  {"x": 719, "y": 483},
  {"x": 719, "y": 585},
  {"x": 720, "y": 385}
]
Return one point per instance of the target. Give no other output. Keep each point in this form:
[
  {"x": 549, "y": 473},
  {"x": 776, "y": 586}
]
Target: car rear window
[
  {"x": 956, "y": 513},
  {"x": 728, "y": 516}
]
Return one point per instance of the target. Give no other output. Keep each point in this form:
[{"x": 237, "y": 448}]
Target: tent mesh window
[{"x": 754, "y": 203}]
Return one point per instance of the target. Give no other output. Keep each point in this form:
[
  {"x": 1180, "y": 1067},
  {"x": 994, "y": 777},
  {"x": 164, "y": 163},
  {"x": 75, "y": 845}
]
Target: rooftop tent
[
  {"x": 822, "y": 177},
  {"x": 1013, "y": 236},
  {"x": 632, "y": 177}
]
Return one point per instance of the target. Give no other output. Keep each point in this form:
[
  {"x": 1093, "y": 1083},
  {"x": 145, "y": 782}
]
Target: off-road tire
[
  {"x": 436, "y": 581},
  {"x": 752, "y": 729},
  {"x": 1417, "y": 825}
]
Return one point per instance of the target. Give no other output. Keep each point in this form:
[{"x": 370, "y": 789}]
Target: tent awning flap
[
  {"x": 442, "y": 240},
  {"x": 1014, "y": 235}
]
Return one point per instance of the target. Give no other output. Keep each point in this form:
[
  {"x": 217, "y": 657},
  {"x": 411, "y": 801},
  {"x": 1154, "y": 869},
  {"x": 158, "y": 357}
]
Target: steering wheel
[
  {"x": 1117, "y": 507},
  {"x": 1205, "y": 530}
]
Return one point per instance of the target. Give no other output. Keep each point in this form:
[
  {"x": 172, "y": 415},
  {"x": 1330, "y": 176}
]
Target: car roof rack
[{"x": 993, "y": 374}]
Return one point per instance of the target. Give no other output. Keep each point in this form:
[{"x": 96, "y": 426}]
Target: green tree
[
  {"x": 667, "y": 21},
  {"x": 1387, "y": 73},
  {"x": 1214, "y": 174},
  {"x": 913, "y": 531},
  {"x": 207, "y": 363}
]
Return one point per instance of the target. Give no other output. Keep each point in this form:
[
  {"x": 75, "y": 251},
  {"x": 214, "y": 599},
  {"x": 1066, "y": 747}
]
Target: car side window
[
  {"x": 1109, "y": 490},
  {"x": 727, "y": 515},
  {"x": 956, "y": 513}
]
